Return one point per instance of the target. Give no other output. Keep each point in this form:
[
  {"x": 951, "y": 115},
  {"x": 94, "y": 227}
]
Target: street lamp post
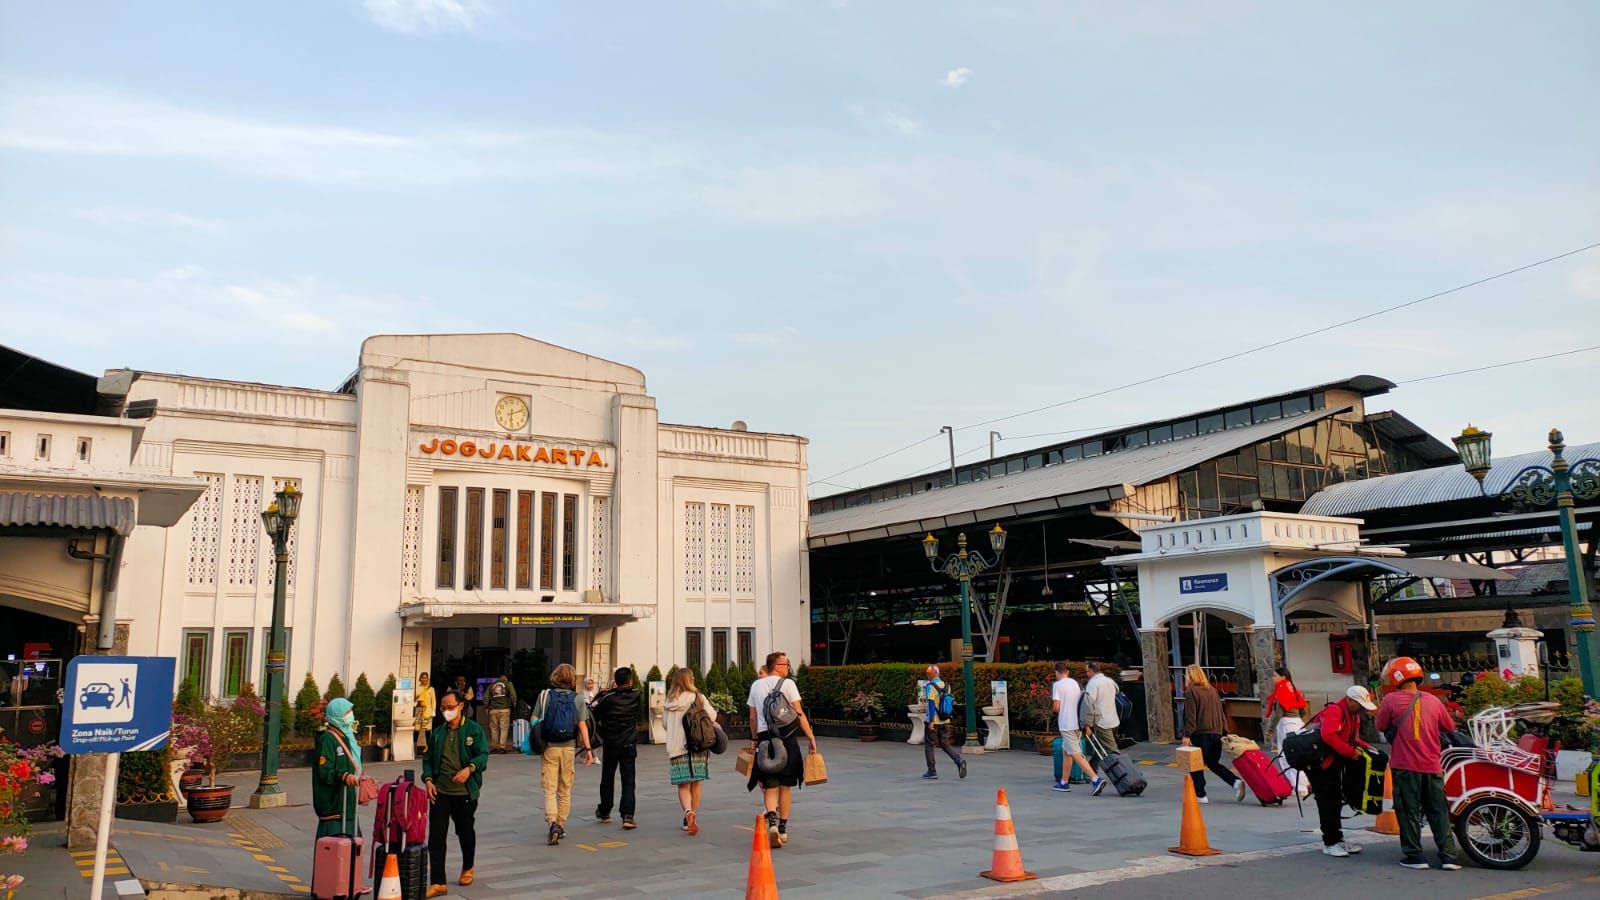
[
  {"x": 279, "y": 521},
  {"x": 964, "y": 565},
  {"x": 1539, "y": 486}
]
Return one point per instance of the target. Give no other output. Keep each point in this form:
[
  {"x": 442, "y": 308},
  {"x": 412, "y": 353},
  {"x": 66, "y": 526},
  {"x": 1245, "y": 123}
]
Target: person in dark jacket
[
  {"x": 458, "y": 752},
  {"x": 1341, "y": 736},
  {"x": 1204, "y": 724},
  {"x": 616, "y": 716}
]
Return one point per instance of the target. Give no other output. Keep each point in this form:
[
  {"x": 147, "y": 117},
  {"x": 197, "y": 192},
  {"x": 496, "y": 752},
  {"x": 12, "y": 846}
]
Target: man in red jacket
[
  {"x": 1341, "y": 735},
  {"x": 1418, "y": 719}
]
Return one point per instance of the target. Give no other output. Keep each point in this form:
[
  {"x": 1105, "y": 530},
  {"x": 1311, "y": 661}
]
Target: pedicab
[{"x": 1499, "y": 789}]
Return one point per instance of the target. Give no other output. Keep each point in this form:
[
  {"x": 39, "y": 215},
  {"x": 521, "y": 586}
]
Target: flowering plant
[
  {"x": 722, "y": 702},
  {"x": 20, "y": 766},
  {"x": 1036, "y": 708},
  {"x": 866, "y": 706}
]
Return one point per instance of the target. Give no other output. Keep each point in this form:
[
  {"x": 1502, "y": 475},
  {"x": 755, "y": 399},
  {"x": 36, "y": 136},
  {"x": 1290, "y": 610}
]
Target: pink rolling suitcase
[
  {"x": 336, "y": 866},
  {"x": 1264, "y": 779}
]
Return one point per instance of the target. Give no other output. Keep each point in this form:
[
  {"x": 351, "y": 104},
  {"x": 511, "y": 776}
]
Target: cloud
[
  {"x": 418, "y": 17},
  {"x": 112, "y": 216},
  {"x": 92, "y": 121},
  {"x": 903, "y": 124},
  {"x": 957, "y": 77}
]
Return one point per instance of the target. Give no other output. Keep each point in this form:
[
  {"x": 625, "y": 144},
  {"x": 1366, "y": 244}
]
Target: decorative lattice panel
[
  {"x": 744, "y": 550},
  {"x": 244, "y": 531},
  {"x": 717, "y": 540},
  {"x": 597, "y": 543},
  {"x": 411, "y": 545},
  {"x": 694, "y": 548},
  {"x": 205, "y": 532},
  {"x": 278, "y": 484}
]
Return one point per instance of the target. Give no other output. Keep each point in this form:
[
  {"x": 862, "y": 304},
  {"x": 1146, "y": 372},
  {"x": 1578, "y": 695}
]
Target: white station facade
[{"x": 467, "y": 498}]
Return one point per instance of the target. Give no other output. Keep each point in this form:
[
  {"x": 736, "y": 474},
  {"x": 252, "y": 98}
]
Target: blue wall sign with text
[
  {"x": 1203, "y": 584},
  {"x": 117, "y": 703}
]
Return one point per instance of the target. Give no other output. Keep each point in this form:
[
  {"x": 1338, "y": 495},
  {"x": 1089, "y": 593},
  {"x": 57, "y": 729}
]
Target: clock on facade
[{"x": 511, "y": 413}]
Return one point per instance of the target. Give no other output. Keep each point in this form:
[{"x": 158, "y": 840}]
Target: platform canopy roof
[{"x": 1443, "y": 484}]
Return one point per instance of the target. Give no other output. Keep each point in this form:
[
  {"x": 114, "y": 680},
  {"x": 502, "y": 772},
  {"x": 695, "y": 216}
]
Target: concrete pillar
[
  {"x": 371, "y": 628},
  {"x": 1157, "y": 684},
  {"x": 1246, "y": 669},
  {"x": 1266, "y": 654},
  {"x": 86, "y": 774}
]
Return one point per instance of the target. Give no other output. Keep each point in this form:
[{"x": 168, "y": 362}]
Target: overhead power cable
[{"x": 1499, "y": 365}]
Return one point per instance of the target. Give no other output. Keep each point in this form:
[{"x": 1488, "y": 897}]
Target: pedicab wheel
[{"x": 1497, "y": 834}]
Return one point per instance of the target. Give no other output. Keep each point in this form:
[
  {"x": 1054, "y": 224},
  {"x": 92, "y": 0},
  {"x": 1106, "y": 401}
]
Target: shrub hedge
[{"x": 823, "y": 689}]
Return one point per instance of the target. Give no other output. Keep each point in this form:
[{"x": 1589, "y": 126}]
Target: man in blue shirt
[{"x": 937, "y": 734}]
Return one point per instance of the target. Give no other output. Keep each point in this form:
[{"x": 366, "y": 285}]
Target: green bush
[
  {"x": 825, "y": 689},
  {"x": 699, "y": 677},
  {"x": 335, "y": 688},
  {"x": 655, "y": 675},
  {"x": 308, "y": 708},
  {"x": 715, "y": 682},
  {"x": 362, "y": 700},
  {"x": 188, "y": 700},
  {"x": 143, "y": 776},
  {"x": 383, "y": 705}
]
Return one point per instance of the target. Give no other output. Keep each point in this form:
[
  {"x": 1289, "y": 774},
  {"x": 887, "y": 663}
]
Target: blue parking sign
[{"x": 117, "y": 703}]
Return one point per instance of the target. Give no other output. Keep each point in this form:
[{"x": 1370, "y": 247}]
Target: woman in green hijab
[{"x": 333, "y": 783}]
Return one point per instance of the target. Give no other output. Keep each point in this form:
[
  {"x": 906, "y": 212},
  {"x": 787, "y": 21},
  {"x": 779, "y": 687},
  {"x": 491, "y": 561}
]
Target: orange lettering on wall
[
  {"x": 468, "y": 448},
  {"x": 505, "y": 452},
  {"x": 577, "y": 456},
  {"x": 558, "y": 455},
  {"x": 447, "y": 446},
  {"x": 522, "y": 453},
  {"x": 595, "y": 460},
  {"x": 430, "y": 446},
  {"x": 541, "y": 456},
  {"x": 487, "y": 452}
]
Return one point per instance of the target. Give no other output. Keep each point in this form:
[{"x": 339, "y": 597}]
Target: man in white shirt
[
  {"x": 1064, "y": 697},
  {"x": 777, "y": 788},
  {"x": 1102, "y": 705}
]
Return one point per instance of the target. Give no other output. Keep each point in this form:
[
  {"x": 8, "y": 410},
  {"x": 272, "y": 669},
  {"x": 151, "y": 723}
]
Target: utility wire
[
  {"x": 1499, "y": 365},
  {"x": 879, "y": 458}
]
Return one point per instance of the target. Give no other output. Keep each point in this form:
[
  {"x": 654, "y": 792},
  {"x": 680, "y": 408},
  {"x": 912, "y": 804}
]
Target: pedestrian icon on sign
[{"x": 127, "y": 695}]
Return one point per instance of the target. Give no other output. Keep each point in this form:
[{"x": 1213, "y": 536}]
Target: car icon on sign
[{"x": 97, "y": 694}]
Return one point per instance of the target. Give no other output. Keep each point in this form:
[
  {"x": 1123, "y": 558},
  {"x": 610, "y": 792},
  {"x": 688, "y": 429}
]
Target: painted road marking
[
  {"x": 277, "y": 868},
  {"x": 1540, "y": 891},
  {"x": 300, "y": 888},
  {"x": 115, "y": 864},
  {"x": 588, "y": 848},
  {"x": 609, "y": 844}
]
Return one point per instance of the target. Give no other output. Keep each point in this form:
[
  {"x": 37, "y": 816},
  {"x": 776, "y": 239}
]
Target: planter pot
[
  {"x": 210, "y": 804},
  {"x": 867, "y": 733},
  {"x": 1042, "y": 741},
  {"x": 190, "y": 780}
]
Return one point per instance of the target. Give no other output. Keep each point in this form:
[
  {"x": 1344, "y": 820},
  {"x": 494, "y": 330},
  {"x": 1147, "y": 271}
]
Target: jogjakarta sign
[{"x": 513, "y": 452}]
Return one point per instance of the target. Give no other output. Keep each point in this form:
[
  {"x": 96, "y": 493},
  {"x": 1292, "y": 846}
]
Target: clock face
[{"x": 511, "y": 413}]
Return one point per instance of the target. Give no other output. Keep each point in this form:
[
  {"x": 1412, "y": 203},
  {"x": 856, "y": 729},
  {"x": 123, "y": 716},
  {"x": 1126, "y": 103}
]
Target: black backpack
[
  {"x": 699, "y": 729},
  {"x": 560, "y": 722},
  {"x": 778, "y": 713}
]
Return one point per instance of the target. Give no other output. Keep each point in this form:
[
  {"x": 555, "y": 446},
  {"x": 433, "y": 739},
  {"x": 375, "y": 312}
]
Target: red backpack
[{"x": 402, "y": 814}]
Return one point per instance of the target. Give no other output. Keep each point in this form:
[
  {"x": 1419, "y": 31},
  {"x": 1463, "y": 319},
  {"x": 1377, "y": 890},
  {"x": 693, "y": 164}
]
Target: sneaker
[
  {"x": 553, "y": 836},
  {"x": 1205, "y": 799},
  {"x": 783, "y": 833},
  {"x": 1097, "y": 784},
  {"x": 1061, "y": 786},
  {"x": 1336, "y": 850},
  {"x": 602, "y": 818},
  {"x": 1450, "y": 865},
  {"x": 1414, "y": 862},
  {"x": 930, "y": 774},
  {"x": 1350, "y": 848},
  {"x": 961, "y": 766},
  {"x": 1238, "y": 791},
  {"x": 772, "y": 830},
  {"x": 628, "y": 823}
]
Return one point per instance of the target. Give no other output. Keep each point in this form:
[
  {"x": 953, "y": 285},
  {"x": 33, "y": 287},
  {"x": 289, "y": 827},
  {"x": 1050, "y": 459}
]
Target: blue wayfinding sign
[
  {"x": 1203, "y": 584},
  {"x": 115, "y": 704}
]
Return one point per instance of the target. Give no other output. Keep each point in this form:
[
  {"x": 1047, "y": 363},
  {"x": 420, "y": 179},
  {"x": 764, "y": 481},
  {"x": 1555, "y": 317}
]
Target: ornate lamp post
[
  {"x": 963, "y": 566},
  {"x": 1539, "y": 486},
  {"x": 279, "y": 521}
]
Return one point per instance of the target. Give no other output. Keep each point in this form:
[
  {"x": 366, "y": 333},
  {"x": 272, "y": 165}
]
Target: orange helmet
[{"x": 1400, "y": 670}]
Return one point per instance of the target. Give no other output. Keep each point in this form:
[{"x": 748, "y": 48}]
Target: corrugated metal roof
[
  {"x": 1425, "y": 486},
  {"x": 1037, "y": 490},
  {"x": 1400, "y": 430},
  {"x": 67, "y": 511}
]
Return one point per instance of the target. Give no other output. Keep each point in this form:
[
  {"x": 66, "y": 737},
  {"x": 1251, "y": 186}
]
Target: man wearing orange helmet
[{"x": 1414, "y": 720}]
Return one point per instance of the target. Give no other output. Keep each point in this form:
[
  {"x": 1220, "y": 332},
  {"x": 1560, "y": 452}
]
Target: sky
[{"x": 854, "y": 221}]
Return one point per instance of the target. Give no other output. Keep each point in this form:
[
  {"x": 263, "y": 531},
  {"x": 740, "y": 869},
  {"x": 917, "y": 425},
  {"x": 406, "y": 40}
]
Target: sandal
[{"x": 691, "y": 825}]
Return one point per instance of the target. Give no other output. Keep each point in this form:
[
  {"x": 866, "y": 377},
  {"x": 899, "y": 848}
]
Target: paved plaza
[{"x": 877, "y": 829}]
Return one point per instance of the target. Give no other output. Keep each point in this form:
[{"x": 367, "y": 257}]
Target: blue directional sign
[
  {"x": 1203, "y": 584},
  {"x": 117, "y": 703}
]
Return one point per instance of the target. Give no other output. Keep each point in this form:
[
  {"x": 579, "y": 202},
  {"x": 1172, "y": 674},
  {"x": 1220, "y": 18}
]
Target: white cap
[{"x": 1362, "y": 696}]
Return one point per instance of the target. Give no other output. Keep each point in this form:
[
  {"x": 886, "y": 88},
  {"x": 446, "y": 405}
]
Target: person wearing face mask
[
  {"x": 333, "y": 783},
  {"x": 458, "y": 752}
]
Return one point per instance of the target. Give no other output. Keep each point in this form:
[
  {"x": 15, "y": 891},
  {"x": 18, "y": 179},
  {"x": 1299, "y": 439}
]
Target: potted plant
[
  {"x": 1035, "y": 710},
  {"x": 722, "y": 702},
  {"x": 231, "y": 728},
  {"x": 24, "y": 773},
  {"x": 865, "y": 708}
]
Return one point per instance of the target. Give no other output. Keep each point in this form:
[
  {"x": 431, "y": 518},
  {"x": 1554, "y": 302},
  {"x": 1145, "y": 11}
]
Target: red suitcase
[
  {"x": 336, "y": 869},
  {"x": 1264, "y": 779}
]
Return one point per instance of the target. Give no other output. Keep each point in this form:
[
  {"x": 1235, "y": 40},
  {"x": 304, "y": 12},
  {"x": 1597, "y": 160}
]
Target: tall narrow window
[
  {"x": 447, "y": 538},
  {"x": 472, "y": 568},
  {"x": 411, "y": 542},
  {"x": 196, "y": 655},
  {"x": 498, "y": 533},
  {"x": 547, "y": 541},
  {"x": 205, "y": 532},
  {"x": 569, "y": 542},
  {"x": 717, "y": 549},
  {"x": 244, "y": 532},
  {"x": 694, "y": 548},
  {"x": 235, "y": 661},
  {"x": 597, "y": 544},
  {"x": 524, "y": 540},
  {"x": 747, "y": 645},
  {"x": 719, "y": 647},
  {"x": 694, "y": 647},
  {"x": 744, "y": 551}
]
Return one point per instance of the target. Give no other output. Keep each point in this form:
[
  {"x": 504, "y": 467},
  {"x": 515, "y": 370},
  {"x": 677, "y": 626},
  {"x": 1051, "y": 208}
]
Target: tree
[
  {"x": 362, "y": 700},
  {"x": 383, "y": 706},
  {"x": 699, "y": 676},
  {"x": 188, "y": 700},
  {"x": 308, "y": 708},
  {"x": 715, "y": 682},
  {"x": 335, "y": 688},
  {"x": 655, "y": 675}
]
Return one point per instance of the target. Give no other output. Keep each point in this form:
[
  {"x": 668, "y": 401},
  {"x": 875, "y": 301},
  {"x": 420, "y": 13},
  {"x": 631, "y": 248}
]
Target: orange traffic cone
[
  {"x": 1388, "y": 822},
  {"x": 1007, "y": 860},
  {"x": 1192, "y": 832},
  {"x": 762, "y": 883},
  {"x": 389, "y": 887}
]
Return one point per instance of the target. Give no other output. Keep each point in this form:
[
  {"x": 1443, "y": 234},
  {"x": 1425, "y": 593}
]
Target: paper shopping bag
[
  {"x": 816, "y": 770},
  {"x": 745, "y": 762}
]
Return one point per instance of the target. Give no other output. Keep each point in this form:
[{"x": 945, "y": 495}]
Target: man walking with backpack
[
  {"x": 777, "y": 720},
  {"x": 564, "y": 725},
  {"x": 938, "y": 704},
  {"x": 502, "y": 697},
  {"x": 616, "y": 715}
]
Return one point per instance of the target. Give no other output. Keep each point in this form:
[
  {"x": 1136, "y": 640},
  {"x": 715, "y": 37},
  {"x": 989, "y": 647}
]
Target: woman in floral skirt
[{"x": 688, "y": 769}]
